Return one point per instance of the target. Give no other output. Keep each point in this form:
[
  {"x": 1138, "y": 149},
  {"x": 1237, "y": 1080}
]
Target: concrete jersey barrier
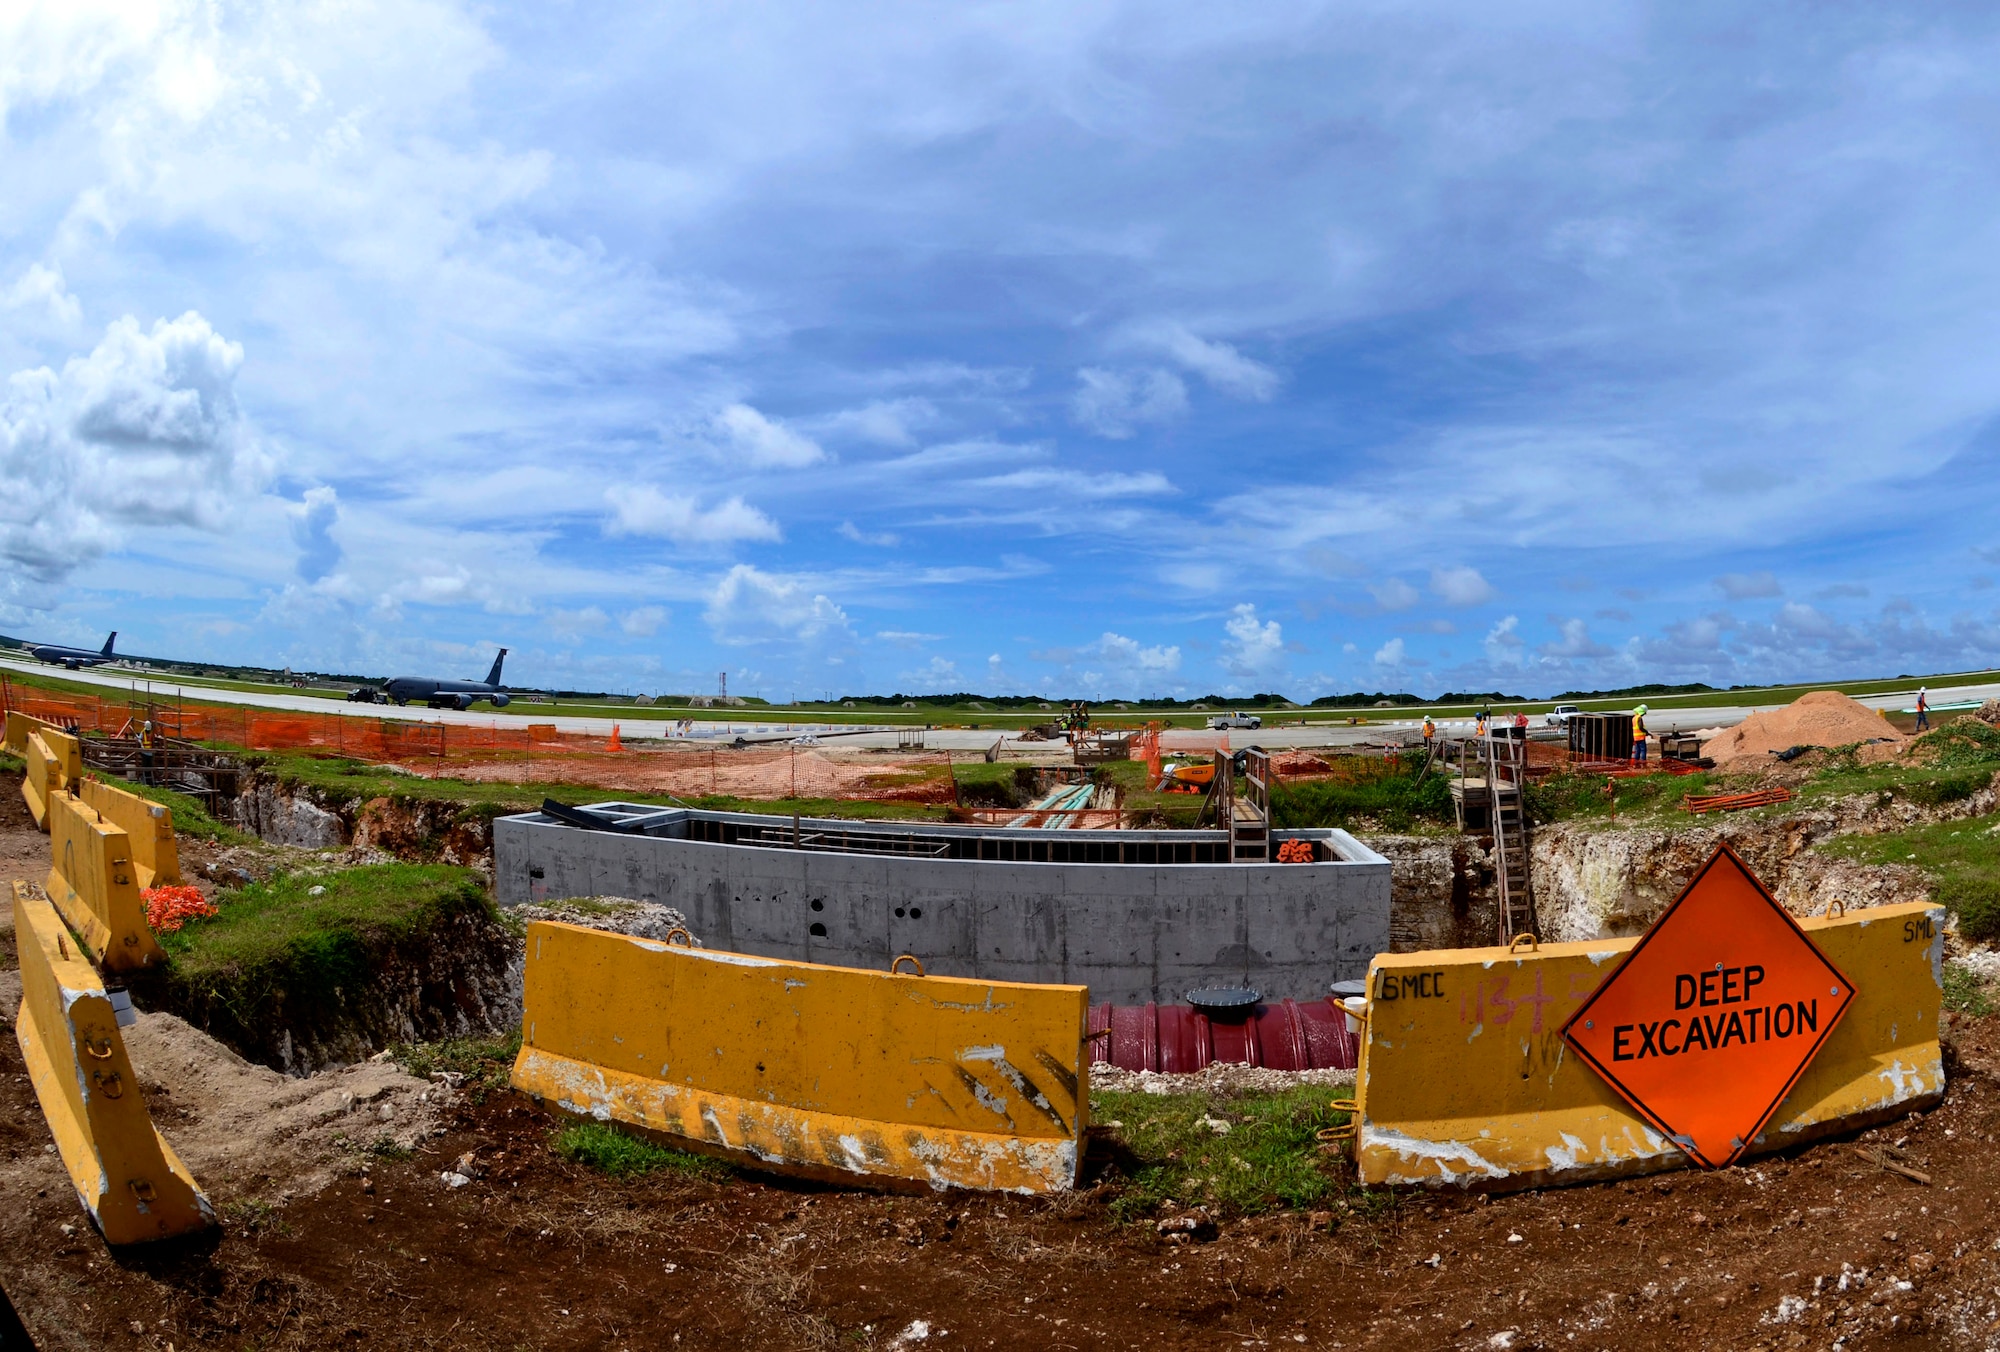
[
  {"x": 125, "y": 1174},
  {"x": 95, "y": 885},
  {"x": 829, "y": 1072},
  {"x": 148, "y": 826},
  {"x": 55, "y": 763},
  {"x": 1465, "y": 1079}
]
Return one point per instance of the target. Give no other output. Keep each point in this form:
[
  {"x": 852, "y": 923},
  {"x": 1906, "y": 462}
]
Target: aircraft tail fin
[
  {"x": 108, "y": 642},
  {"x": 493, "y": 676}
]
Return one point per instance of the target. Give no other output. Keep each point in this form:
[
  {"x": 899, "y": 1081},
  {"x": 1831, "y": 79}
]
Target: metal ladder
[{"x": 1506, "y": 783}]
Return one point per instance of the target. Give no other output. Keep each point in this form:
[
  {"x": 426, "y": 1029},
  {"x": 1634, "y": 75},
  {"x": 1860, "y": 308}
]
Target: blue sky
[{"x": 1084, "y": 349}]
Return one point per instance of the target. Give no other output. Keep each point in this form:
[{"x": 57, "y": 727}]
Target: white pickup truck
[
  {"x": 1221, "y": 721},
  {"x": 1559, "y": 716}
]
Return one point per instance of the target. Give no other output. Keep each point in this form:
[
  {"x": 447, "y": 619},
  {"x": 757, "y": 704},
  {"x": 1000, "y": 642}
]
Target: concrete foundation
[{"x": 1135, "y": 915}]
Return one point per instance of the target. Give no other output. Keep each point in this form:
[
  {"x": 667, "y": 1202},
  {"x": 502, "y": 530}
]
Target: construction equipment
[{"x": 125, "y": 1174}]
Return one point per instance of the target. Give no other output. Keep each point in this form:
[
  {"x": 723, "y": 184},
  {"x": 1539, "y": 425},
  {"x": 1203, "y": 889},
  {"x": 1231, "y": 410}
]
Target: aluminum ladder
[{"x": 1506, "y": 783}]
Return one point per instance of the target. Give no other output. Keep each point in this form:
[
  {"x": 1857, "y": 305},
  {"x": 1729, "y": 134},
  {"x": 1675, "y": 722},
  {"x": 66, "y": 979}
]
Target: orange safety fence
[{"x": 514, "y": 752}]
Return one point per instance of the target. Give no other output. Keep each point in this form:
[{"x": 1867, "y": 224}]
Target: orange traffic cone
[{"x": 614, "y": 744}]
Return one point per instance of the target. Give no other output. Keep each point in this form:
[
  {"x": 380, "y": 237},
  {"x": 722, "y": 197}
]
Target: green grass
[
  {"x": 1964, "y": 992},
  {"x": 275, "y": 946},
  {"x": 486, "y": 1063},
  {"x": 1396, "y": 800},
  {"x": 1268, "y": 1159},
  {"x": 600, "y": 1146},
  {"x": 1961, "y": 857}
]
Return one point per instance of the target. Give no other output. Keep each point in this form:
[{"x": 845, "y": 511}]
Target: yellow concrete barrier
[
  {"x": 149, "y": 826},
  {"x": 55, "y": 761},
  {"x": 18, "y": 728},
  {"x": 1465, "y": 1079},
  {"x": 95, "y": 886},
  {"x": 824, "y": 1071},
  {"x": 127, "y": 1177}
]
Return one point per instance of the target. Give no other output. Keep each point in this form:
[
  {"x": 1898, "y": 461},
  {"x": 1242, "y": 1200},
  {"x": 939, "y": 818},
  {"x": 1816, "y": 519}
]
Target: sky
[{"x": 1092, "y": 350}]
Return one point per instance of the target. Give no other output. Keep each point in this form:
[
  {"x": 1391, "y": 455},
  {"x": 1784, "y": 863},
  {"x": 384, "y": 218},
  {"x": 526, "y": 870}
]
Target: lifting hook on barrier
[
  {"x": 1343, "y": 1132},
  {"x": 902, "y": 958},
  {"x": 1534, "y": 945},
  {"x": 1830, "y": 912},
  {"x": 686, "y": 939}
]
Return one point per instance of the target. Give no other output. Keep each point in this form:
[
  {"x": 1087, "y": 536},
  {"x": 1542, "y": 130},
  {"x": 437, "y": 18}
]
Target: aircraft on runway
[
  {"x": 439, "y": 694},
  {"x": 74, "y": 658}
]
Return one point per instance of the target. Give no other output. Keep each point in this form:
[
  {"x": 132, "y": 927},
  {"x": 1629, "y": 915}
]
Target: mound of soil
[{"x": 1823, "y": 718}]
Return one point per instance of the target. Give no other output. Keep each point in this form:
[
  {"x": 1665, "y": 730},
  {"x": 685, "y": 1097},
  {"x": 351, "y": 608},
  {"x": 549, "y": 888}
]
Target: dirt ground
[
  {"x": 757, "y": 772},
  {"x": 331, "y": 1240}
]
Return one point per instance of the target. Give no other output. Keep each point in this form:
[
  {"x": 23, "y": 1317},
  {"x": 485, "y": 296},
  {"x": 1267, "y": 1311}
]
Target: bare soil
[
  {"x": 1823, "y": 718},
  {"x": 749, "y": 773},
  {"x": 330, "y": 1240}
]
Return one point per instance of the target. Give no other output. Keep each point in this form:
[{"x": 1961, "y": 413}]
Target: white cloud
[
  {"x": 1079, "y": 484},
  {"x": 1216, "y": 362},
  {"x": 905, "y": 638},
  {"x": 939, "y": 676},
  {"x": 1575, "y": 642},
  {"x": 643, "y": 622},
  {"x": 312, "y": 525},
  {"x": 1748, "y": 586},
  {"x": 1461, "y": 586},
  {"x": 1390, "y": 654},
  {"x": 1129, "y": 655},
  {"x": 1395, "y": 594},
  {"x": 763, "y": 443},
  {"x": 847, "y": 530},
  {"x": 645, "y": 510},
  {"x": 574, "y": 624},
  {"x": 887, "y": 422},
  {"x": 41, "y": 289},
  {"x": 1115, "y": 403},
  {"x": 1504, "y": 644},
  {"x": 752, "y": 606},
  {"x": 144, "y": 431},
  {"x": 1252, "y": 649}
]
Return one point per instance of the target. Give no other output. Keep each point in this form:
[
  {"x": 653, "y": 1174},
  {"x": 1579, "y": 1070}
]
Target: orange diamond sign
[{"x": 1714, "y": 1015}]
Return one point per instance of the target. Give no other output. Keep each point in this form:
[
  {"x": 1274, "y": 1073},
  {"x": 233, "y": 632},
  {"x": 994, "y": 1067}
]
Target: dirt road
[{"x": 336, "y": 1235}]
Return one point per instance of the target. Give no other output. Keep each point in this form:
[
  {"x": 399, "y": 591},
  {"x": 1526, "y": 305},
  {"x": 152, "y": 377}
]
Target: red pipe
[{"x": 1178, "y": 1039}]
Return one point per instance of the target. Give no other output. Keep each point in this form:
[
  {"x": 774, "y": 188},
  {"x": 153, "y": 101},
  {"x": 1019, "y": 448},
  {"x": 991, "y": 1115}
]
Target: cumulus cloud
[
  {"x": 643, "y": 622},
  {"x": 312, "y": 526},
  {"x": 645, "y": 510},
  {"x": 143, "y": 432},
  {"x": 939, "y": 675},
  {"x": 1128, "y": 654},
  {"x": 1575, "y": 642},
  {"x": 1395, "y": 594},
  {"x": 1116, "y": 403},
  {"x": 752, "y": 606},
  {"x": 1390, "y": 654},
  {"x": 1221, "y": 365},
  {"x": 1461, "y": 587},
  {"x": 887, "y": 422},
  {"x": 1252, "y": 648},
  {"x": 1504, "y": 644},
  {"x": 41, "y": 290},
  {"x": 763, "y": 443},
  {"x": 1748, "y": 586}
]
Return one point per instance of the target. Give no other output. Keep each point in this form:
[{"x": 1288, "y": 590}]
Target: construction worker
[
  {"x": 149, "y": 744},
  {"x": 1639, "y": 733},
  {"x": 1430, "y": 733},
  {"x": 1479, "y": 724},
  {"x": 1923, "y": 708},
  {"x": 1521, "y": 722}
]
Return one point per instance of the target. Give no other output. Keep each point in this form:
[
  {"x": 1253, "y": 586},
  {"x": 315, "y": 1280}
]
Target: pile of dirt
[
  {"x": 1299, "y": 764},
  {"x": 244, "y": 1128},
  {"x": 1824, "y": 718}
]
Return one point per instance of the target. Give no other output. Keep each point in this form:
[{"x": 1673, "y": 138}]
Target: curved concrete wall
[{"x": 1131, "y": 932}]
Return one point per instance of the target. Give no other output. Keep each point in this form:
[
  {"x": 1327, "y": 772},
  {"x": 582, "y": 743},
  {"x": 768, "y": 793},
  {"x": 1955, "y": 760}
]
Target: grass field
[{"x": 963, "y": 715}]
